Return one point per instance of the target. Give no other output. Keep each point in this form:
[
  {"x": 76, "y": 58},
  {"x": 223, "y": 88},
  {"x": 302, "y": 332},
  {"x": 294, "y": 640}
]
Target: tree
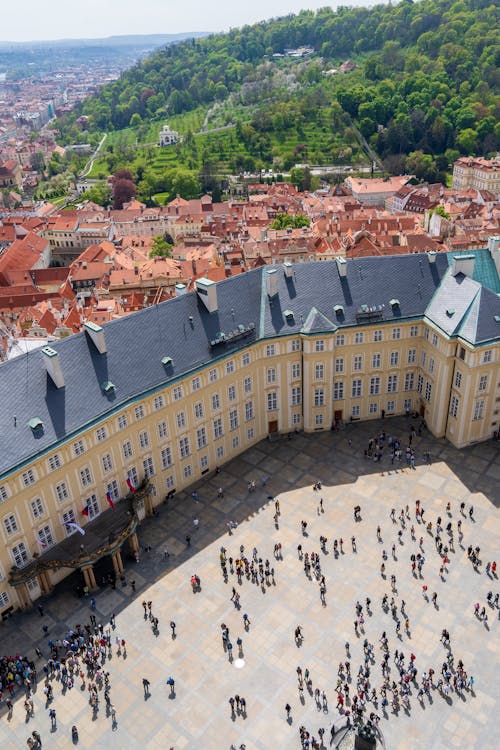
[
  {"x": 160, "y": 247},
  {"x": 286, "y": 221},
  {"x": 123, "y": 191}
]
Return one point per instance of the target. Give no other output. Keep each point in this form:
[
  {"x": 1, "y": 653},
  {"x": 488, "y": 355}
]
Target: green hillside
[{"x": 426, "y": 89}]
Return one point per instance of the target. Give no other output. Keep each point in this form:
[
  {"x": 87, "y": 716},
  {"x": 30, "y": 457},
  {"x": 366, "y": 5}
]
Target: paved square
[{"x": 198, "y": 716}]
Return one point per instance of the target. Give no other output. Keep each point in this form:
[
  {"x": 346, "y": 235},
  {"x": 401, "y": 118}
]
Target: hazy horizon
[{"x": 34, "y": 22}]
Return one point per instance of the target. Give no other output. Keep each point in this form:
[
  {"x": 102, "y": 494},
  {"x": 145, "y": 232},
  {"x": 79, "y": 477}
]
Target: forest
[{"x": 425, "y": 90}]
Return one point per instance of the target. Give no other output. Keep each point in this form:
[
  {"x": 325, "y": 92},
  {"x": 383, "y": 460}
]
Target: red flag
[
  {"x": 85, "y": 511},
  {"x": 130, "y": 485},
  {"x": 110, "y": 500}
]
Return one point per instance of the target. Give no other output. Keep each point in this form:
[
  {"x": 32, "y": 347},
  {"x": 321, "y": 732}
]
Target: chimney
[
  {"x": 432, "y": 256},
  {"x": 463, "y": 264},
  {"x": 53, "y": 366},
  {"x": 207, "y": 292},
  {"x": 494, "y": 248},
  {"x": 341, "y": 267},
  {"x": 288, "y": 268},
  {"x": 272, "y": 282},
  {"x": 180, "y": 289},
  {"x": 96, "y": 333}
]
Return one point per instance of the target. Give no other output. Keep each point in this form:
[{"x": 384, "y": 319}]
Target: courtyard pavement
[{"x": 198, "y": 716}]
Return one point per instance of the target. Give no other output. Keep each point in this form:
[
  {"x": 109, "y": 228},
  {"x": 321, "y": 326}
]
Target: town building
[
  {"x": 153, "y": 401},
  {"x": 478, "y": 173},
  {"x": 168, "y": 137}
]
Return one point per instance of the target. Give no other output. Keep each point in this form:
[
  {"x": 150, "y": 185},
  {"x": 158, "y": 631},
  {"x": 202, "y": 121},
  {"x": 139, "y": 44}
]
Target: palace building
[{"x": 98, "y": 428}]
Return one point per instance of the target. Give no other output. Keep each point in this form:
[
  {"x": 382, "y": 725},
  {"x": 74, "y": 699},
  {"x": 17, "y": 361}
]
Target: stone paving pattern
[{"x": 198, "y": 716}]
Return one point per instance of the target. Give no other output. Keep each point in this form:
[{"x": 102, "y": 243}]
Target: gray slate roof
[{"x": 183, "y": 329}]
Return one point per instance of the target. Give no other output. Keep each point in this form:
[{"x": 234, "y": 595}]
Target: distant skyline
[{"x": 33, "y": 20}]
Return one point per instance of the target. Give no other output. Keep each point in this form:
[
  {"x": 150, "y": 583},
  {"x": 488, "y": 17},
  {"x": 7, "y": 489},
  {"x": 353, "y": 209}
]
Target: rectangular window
[
  {"x": 249, "y": 411},
  {"x": 122, "y": 421},
  {"x": 374, "y": 386},
  {"x": 235, "y": 442},
  {"x": 69, "y": 517},
  {"x": 426, "y": 334},
  {"x": 218, "y": 428},
  {"x": 339, "y": 364},
  {"x": 356, "y": 389},
  {"x": 319, "y": 346},
  {"x": 483, "y": 382},
  {"x": 201, "y": 437},
  {"x": 338, "y": 390},
  {"x": 428, "y": 391},
  {"x": 296, "y": 396},
  {"x": 297, "y": 418},
  {"x": 166, "y": 457},
  {"x": 234, "y": 421},
  {"x": 180, "y": 419},
  {"x": 158, "y": 402},
  {"x": 420, "y": 384},
  {"x": 454, "y": 406},
  {"x": 10, "y": 524},
  {"x": 412, "y": 356},
  {"x": 319, "y": 371},
  {"x": 377, "y": 335},
  {"x": 195, "y": 384},
  {"x": 107, "y": 463},
  {"x": 62, "y": 492},
  {"x": 319, "y": 419},
  {"x": 55, "y": 462},
  {"x": 245, "y": 360},
  {"x": 139, "y": 411},
  {"x": 250, "y": 433},
  {"x": 248, "y": 385},
  {"x": 45, "y": 536},
  {"x": 92, "y": 503},
  {"x": 144, "y": 439},
  {"x": 478, "y": 410},
  {"x": 220, "y": 451},
  {"x": 270, "y": 350},
  {"x": 127, "y": 449},
  {"x": 198, "y": 410},
  {"x": 4, "y": 599},
  {"x": 319, "y": 397},
  {"x": 373, "y": 408},
  {"x": 215, "y": 402},
  {"x": 414, "y": 331},
  {"x": 340, "y": 339},
  {"x": 359, "y": 337},
  {"x": 271, "y": 376},
  {"x": 390, "y": 407},
  {"x": 4, "y": 494},
  {"x": 148, "y": 467},
  {"x": 458, "y": 379},
  {"x": 434, "y": 340},
  {"x": 396, "y": 333},
  {"x": 113, "y": 489},
  {"x": 230, "y": 367},
  {"x": 357, "y": 363},
  {"x": 392, "y": 384},
  {"x": 20, "y": 554},
  {"x": 295, "y": 345},
  {"x": 431, "y": 365},
  {"x": 85, "y": 476},
  {"x": 162, "y": 430},
  {"x": 407, "y": 404},
  {"x": 212, "y": 375},
  {"x": 79, "y": 447},
  {"x": 203, "y": 462},
  {"x": 355, "y": 411},
  {"x": 394, "y": 359},
  {"x": 487, "y": 356},
  {"x": 184, "y": 448},
  {"x": 231, "y": 393},
  {"x": 187, "y": 471},
  {"x": 376, "y": 361},
  {"x": 295, "y": 370},
  {"x": 423, "y": 359},
  {"x": 177, "y": 393},
  {"x": 272, "y": 401},
  {"x": 101, "y": 434},
  {"x": 169, "y": 482},
  {"x": 409, "y": 381}
]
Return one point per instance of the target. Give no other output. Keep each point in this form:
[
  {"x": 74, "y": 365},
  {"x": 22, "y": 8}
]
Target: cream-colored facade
[{"x": 178, "y": 434}]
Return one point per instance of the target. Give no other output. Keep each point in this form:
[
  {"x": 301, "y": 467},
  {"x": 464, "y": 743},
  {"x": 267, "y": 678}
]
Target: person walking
[
  {"x": 145, "y": 685},
  {"x": 288, "y": 708}
]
